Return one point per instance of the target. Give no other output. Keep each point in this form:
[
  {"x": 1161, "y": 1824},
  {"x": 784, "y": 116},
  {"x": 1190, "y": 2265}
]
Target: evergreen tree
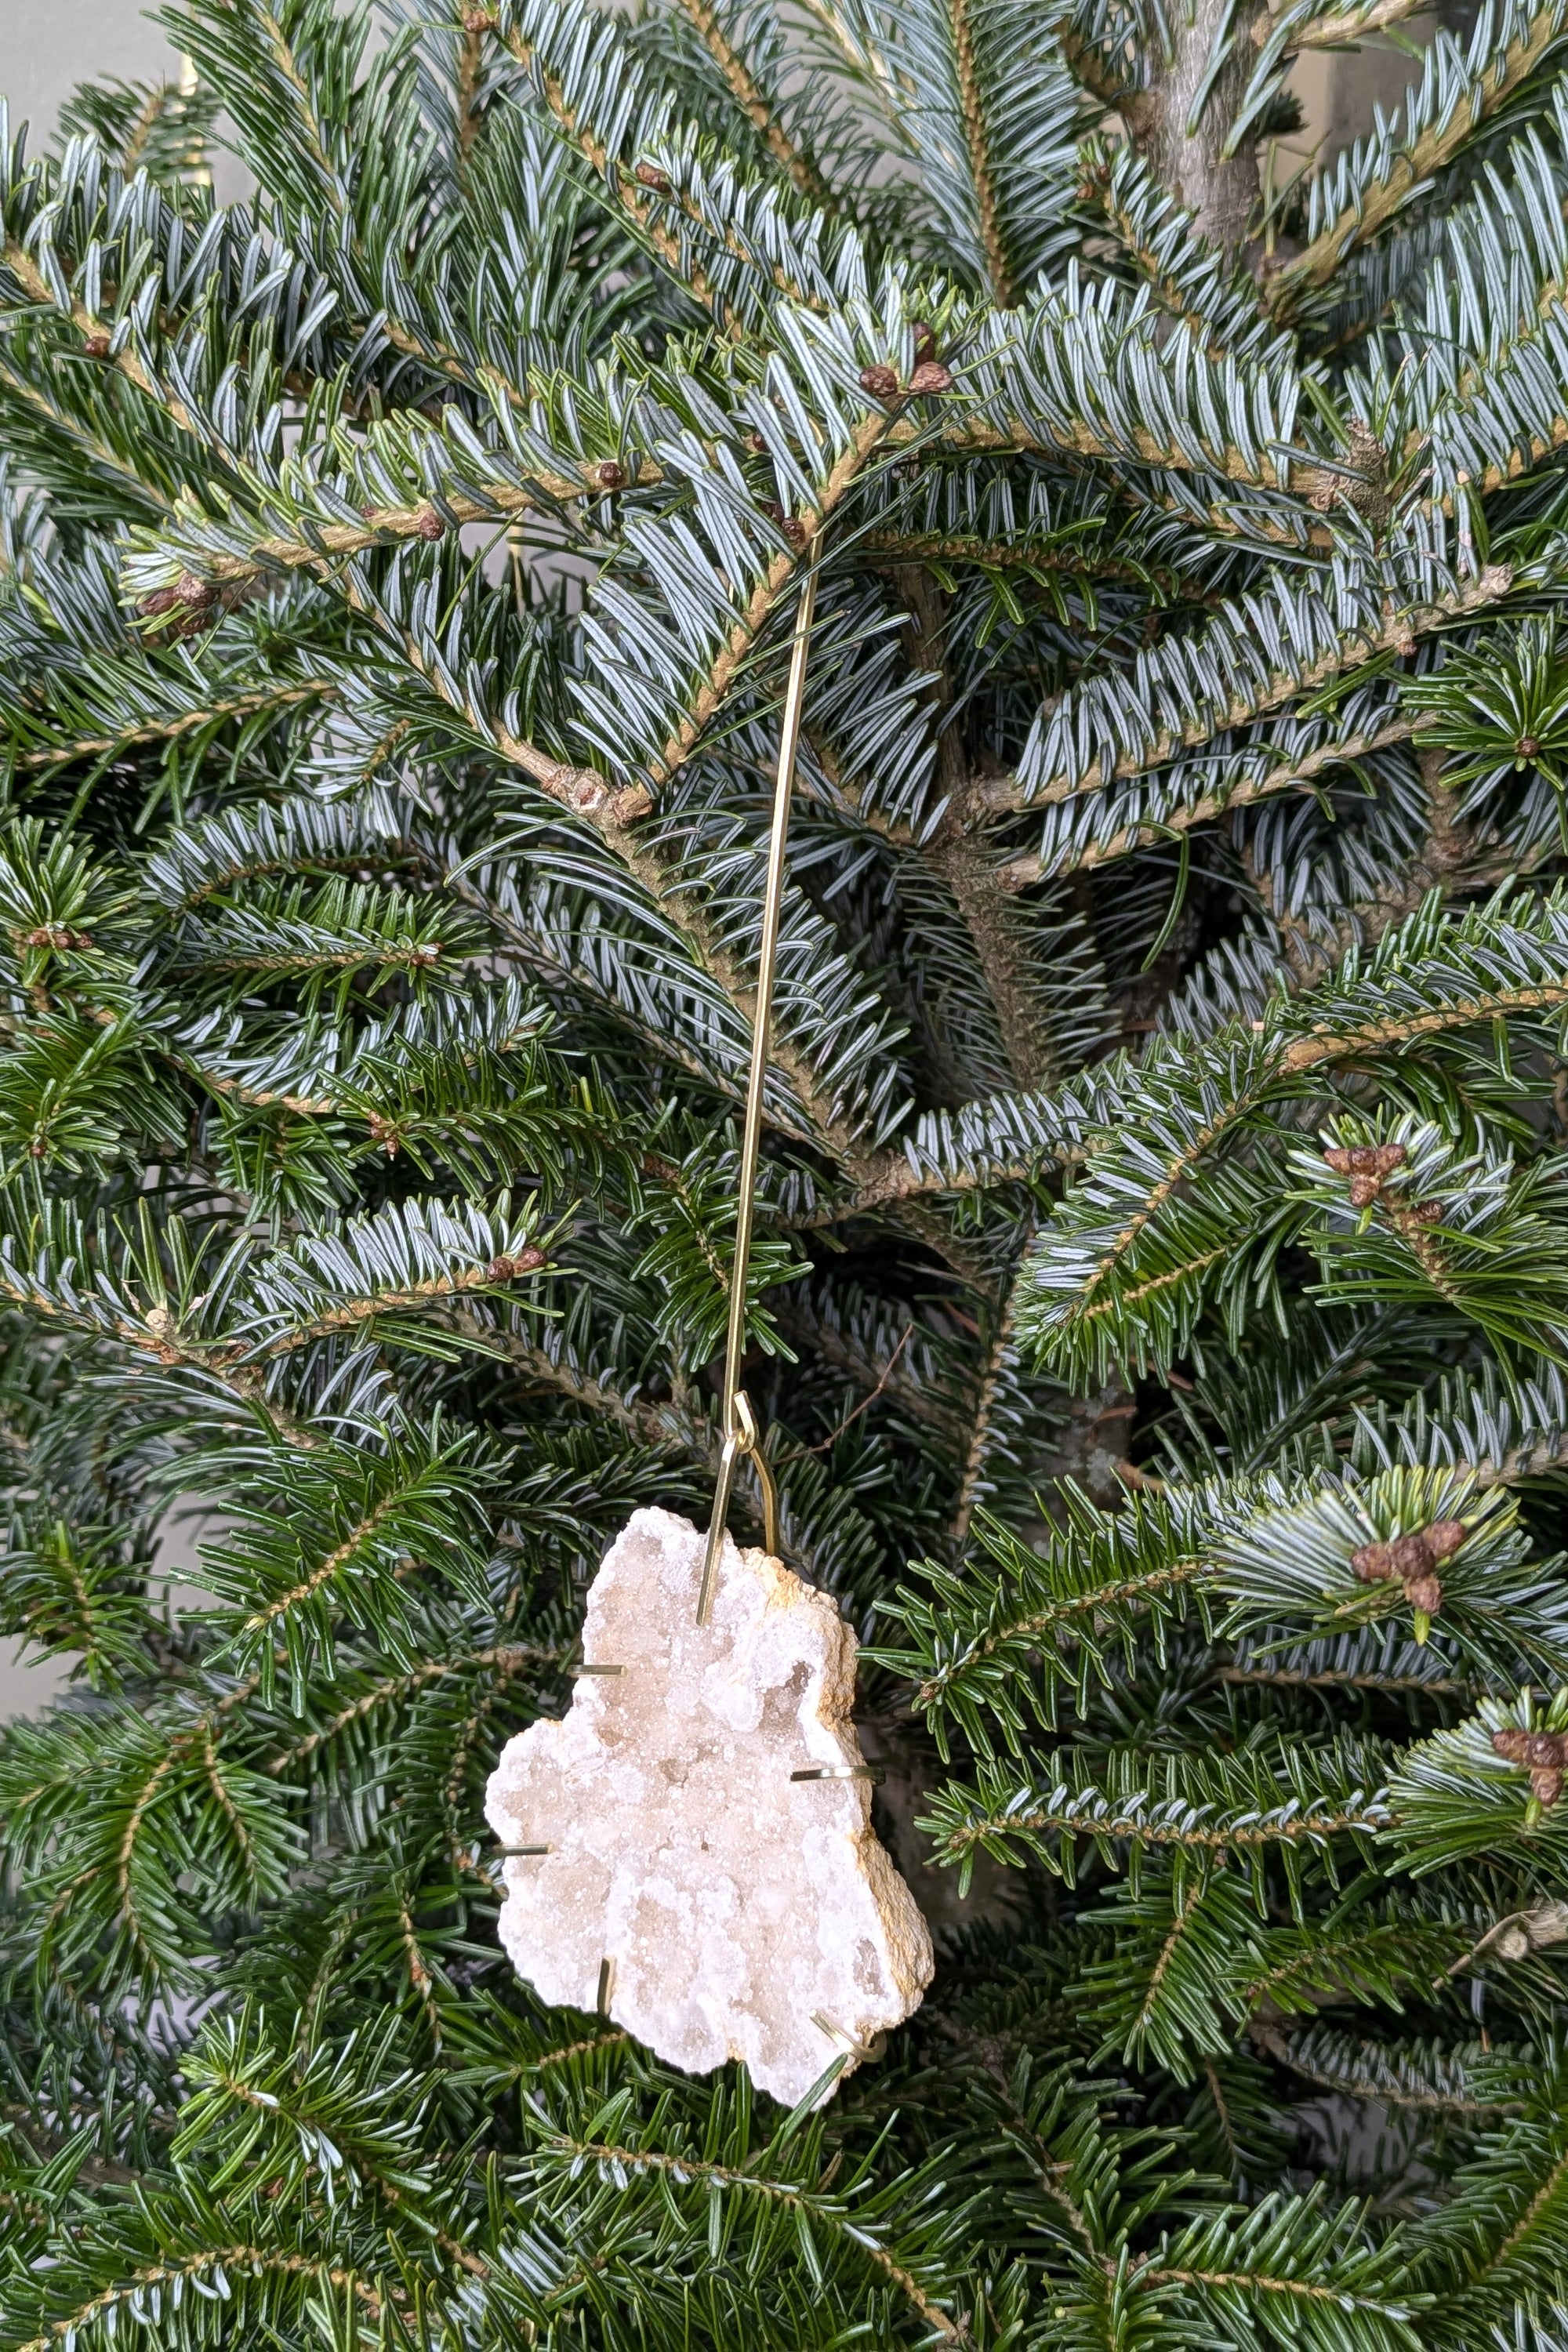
[{"x": 1160, "y": 1305}]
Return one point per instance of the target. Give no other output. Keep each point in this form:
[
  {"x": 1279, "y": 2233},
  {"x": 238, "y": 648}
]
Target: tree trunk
[{"x": 1220, "y": 189}]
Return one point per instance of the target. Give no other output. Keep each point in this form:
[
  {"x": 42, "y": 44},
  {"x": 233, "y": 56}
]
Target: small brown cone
[{"x": 1372, "y": 1562}]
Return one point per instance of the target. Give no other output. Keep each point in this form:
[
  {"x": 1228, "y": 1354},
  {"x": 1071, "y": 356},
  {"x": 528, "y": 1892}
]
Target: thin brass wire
[{"x": 736, "y": 1418}]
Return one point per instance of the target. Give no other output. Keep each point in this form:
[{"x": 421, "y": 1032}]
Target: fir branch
[
  {"x": 504, "y": 1656},
  {"x": 994, "y": 1372},
  {"x": 1445, "y": 130},
  {"x": 1026, "y": 553},
  {"x": 1339, "y": 26},
  {"x": 1287, "y": 775},
  {"x": 1431, "y": 2082},
  {"x": 140, "y": 490},
  {"x": 544, "y": 1360},
  {"x": 121, "y": 354},
  {"x": 241, "y": 2258},
  {"x": 570, "y": 79},
  {"x": 973, "y": 113},
  {"x": 1397, "y": 630},
  {"x": 763, "y": 113},
  {"x": 284, "y": 696},
  {"x": 1112, "y": 91},
  {"x": 822, "y": 2208},
  {"x": 1192, "y": 280},
  {"x": 1200, "y": 1812},
  {"x": 326, "y": 544}
]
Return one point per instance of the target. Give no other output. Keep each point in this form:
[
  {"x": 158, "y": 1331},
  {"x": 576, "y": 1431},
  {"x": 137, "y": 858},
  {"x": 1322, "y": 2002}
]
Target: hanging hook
[{"x": 736, "y": 1418}]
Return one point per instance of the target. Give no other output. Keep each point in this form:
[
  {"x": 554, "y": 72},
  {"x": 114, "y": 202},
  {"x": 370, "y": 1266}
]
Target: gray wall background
[{"x": 47, "y": 46}]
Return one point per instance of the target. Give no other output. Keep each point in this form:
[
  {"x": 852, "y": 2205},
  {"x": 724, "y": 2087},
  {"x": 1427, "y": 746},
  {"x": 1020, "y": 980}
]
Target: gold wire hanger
[{"x": 737, "y": 1420}]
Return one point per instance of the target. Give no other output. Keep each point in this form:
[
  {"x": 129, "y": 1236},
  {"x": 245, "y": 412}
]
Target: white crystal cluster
[{"x": 744, "y": 1913}]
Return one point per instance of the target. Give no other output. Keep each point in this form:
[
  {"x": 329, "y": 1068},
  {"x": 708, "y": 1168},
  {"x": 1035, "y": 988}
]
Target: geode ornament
[{"x": 711, "y": 1904}]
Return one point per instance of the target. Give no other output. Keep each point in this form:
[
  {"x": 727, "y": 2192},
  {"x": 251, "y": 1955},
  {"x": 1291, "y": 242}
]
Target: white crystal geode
[{"x": 745, "y": 1914}]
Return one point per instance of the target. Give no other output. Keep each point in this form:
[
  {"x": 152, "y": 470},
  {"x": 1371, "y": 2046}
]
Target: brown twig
[{"x": 866, "y": 1402}]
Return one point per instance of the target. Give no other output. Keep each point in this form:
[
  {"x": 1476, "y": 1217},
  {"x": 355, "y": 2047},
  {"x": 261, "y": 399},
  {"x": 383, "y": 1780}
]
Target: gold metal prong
[
  {"x": 606, "y": 1985},
  {"x": 770, "y": 1501},
  {"x": 868, "y": 2052},
  {"x": 586, "y": 1669},
  {"x": 736, "y": 1419},
  {"x": 508, "y": 1851},
  {"x": 727, "y": 1461},
  {"x": 873, "y": 1772}
]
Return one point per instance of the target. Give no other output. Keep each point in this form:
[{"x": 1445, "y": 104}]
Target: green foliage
[
  {"x": 1157, "y": 1316},
  {"x": 1502, "y": 713}
]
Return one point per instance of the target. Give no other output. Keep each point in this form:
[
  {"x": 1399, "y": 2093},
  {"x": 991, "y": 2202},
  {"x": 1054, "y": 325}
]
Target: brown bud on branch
[
  {"x": 794, "y": 530},
  {"x": 1412, "y": 1560},
  {"x": 56, "y": 936},
  {"x": 1542, "y": 1754},
  {"x": 507, "y": 1269},
  {"x": 1378, "y": 1160},
  {"x": 1368, "y": 1165}
]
